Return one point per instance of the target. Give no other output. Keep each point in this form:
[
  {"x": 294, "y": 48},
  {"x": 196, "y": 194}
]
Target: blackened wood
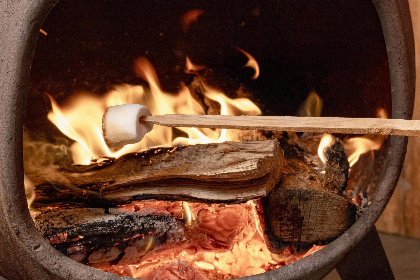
[
  {"x": 336, "y": 168},
  {"x": 91, "y": 236},
  {"x": 224, "y": 172},
  {"x": 307, "y": 206},
  {"x": 366, "y": 261}
]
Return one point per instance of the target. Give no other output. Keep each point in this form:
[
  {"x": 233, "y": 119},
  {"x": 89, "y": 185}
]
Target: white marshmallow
[{"x": 121, "y": 126}]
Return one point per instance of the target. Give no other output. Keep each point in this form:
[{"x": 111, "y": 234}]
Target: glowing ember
[
  {"x": 222, "y": 242},
  {"x": 80, "y": 118}
]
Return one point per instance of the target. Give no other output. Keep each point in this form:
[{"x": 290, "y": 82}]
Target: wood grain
[
  {"x": 296, "y": 124},
  {"x": 217, "y": 172},
  {"x": 308, "y": 207}
]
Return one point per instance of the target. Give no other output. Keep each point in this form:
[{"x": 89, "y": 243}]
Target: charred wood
[
  {"x": 93, "y": 237},
  {"x": 308, "y": 205}
]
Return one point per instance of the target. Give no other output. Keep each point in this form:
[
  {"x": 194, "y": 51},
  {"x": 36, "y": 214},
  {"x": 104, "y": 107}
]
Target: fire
[
  {"x": 190, "y": 18},
  {"x": 191, "y": 68},
  {"x": 326, "y": 141},
  {"x": 252, "y": 63},
  {"x": 357, "y": 146},
  {"x": 312, "y": 106},
  {"x": 223, "y": 242},
  {"x": 80, "y": 118},
  {"x": 187, "y": 213}
]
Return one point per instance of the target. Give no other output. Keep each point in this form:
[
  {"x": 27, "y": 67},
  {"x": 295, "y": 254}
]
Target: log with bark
[
  {"x": 310, "y": 207},
  {"x": 91, "y": 236},
  {"x": 225, "y": 172}
]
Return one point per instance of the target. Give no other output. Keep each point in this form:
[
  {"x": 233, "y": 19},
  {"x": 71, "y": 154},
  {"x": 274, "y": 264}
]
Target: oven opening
[{"x": 200, "y": 203}]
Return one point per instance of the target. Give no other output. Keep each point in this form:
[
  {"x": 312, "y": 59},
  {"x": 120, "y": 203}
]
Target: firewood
[
  {"x": 99, "y": 239},
  {"x": 307, "y": 206},
  {"x": 225, "y": 172},
  {"x": 91, "y": 236}
]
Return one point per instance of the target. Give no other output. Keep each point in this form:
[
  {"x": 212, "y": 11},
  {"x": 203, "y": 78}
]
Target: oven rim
[{"x": 29, "y": 256}]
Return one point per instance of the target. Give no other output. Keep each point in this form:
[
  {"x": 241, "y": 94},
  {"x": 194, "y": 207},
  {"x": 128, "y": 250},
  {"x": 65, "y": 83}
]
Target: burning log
[
  {"x": 225, "y": 172},
  {"x": 302, "y": 199},
  {"x": 310, "y": 205},
  {"x": 91, "y": 236},
  {"x": 124, "y": 237}
]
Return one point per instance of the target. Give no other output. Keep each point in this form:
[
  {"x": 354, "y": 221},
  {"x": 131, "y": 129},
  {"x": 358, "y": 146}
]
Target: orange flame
[
  {"x": 190, "y": 18},
  {"x": 80, "y": 119},
  {"x": 357, "y": 146},
  {"x": 187, "y": 213},
  {"x": 252, "y": 63},
  {"x": 326, "y": 141},
  {"x": 361, "y": 145},
  {"x": 312, "y": 106},
  {"x": 191, "y": 68}
]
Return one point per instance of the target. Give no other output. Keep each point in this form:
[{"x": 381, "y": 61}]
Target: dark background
[{"x": 334, "y": 47}]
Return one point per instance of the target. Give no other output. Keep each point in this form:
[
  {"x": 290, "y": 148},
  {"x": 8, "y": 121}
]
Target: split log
[
  {"x": 310, "y": 207},
  {"x": 93, "y": 237},
  {"x": 225, "y": 172}
]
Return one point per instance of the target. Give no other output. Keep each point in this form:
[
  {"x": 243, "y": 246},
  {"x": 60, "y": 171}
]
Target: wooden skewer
[{"x": 297, "y": 124}]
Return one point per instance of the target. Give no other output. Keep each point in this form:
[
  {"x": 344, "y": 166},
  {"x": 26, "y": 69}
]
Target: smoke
[
  {"x": 29, "y": 191},
  {"x": 41, "y": 155}
]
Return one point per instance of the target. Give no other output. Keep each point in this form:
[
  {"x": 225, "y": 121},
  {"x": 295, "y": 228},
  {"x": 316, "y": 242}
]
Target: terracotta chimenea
[{"x": 24, "y": 254}]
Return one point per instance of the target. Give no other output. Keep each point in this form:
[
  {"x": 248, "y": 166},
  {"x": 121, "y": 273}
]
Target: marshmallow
[{"x": 121, "y": 125}]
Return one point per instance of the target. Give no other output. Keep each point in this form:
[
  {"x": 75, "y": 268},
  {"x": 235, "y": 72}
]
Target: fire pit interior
[{"x": 184, "y": 203}]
